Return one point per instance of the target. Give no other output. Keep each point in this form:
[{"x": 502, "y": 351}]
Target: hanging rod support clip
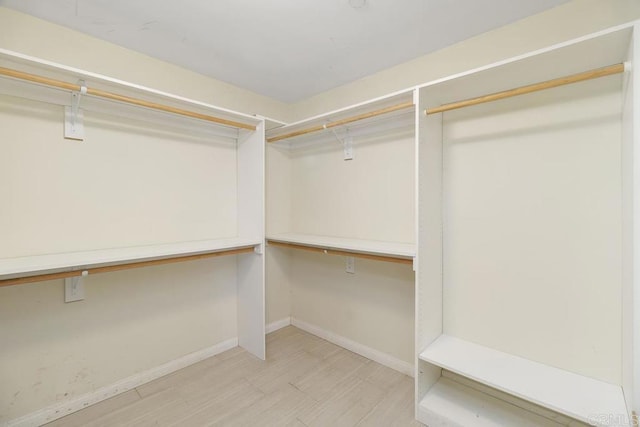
[
  {"x": 73, "y": 115},
  {"x": 347, "y": 143}
]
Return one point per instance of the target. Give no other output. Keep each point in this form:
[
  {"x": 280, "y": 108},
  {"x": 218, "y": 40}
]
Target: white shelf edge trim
[
  {"x": 61, "y": 261},
  {"x": 373, "y": 247},
  {"x": 577, "y": 396}
]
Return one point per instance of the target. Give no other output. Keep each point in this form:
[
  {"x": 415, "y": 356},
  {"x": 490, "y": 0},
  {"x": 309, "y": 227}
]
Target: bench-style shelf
[
  {"x": 565, "y": 392},
  {"x": 372, "y": 249},
  {"x": 51, "y": 263}
]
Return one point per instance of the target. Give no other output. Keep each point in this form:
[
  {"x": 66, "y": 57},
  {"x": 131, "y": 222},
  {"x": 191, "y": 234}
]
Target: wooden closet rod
[
  {"x": 575, "y": 78},
  {"x": 342, "y": 253},
  {"x": 121, "y": 98},
  {"x": 110, "y": 268},
  {"x": 342, "y": 122}
]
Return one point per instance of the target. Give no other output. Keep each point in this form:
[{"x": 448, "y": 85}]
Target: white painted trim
[
  {"x": 635, "y": 327},
  {"x": 62, "y": 409},
  {"x": 278, "y": 324},
  {"x": 270, "y": 119},
  {"x": 361, "y": 349}
]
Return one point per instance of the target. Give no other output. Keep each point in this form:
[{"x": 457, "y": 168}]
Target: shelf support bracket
[
  {"x": 347, "y": 143},
  {"x": 259, "y": 249},
  {"x": 74, "y": 287},
  {"x": 73, "y": 115}
]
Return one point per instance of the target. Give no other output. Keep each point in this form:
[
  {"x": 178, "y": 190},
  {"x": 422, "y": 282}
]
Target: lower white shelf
[
  {"x": 562, "y": 391},
  {"x": 25, "y": 266},
  {"x": 371, "y": 247},
  {"x": 451, "y": 404}
]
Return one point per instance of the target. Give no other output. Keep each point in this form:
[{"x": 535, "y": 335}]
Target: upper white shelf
[
  {"x": 371, "y": 247},
  {"x": 562, "y": 391},
  {"x": 534, "y": 67},
  {"x": 355, "y": 117},
  {"x": 12, "y": 267},
  {"x": 104, "y": 90}
]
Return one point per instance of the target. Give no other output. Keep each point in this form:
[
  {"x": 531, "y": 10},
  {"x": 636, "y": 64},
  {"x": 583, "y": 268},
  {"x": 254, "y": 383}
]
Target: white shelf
[
  {"x": 449, "y": 403},
  {"x": 31, "y": 64},
  {"x": 390, "y": 120},
  {"x": 371, "y": 247},
  {"x": 13, "y": 267},
  {"x": 562, "y": 391},
  {"x": 539, "y": 66}
]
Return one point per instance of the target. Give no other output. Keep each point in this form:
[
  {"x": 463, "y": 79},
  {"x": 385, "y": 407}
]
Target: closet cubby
[
  {"x": 364, "y": 205},
  {"x": 525, "y": 277},
  {"x": 323, "y": 209},
  {"x": 158, "y": 178}
]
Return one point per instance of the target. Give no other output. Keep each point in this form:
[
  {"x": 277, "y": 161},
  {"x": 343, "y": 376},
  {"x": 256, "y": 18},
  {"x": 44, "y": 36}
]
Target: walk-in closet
[{"x": 283, "y": 221}]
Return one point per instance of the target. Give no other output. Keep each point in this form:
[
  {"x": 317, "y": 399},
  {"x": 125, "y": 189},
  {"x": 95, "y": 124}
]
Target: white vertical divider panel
[
  {"x": 429, "y": 241},
  {"x": 627, "y": 235},
  {"x": 251, "y": 222},
  {"x": 631, "y": 119}
]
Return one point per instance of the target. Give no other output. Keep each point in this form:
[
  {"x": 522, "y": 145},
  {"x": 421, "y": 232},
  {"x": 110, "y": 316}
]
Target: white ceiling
[{"x": 285, "y": 49}]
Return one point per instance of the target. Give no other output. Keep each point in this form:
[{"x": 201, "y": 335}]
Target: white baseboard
[
  {"x": 361, "y": 349},
  {"x": 62, "y": 409},
  {"x": 278, "y": 324}
]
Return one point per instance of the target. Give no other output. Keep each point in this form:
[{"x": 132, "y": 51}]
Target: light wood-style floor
[{"x": 305, "y": 381}]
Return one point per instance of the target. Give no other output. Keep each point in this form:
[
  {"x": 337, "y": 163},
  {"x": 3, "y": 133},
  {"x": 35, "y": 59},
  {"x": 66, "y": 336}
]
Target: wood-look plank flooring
[{"x": 305, "y": 381}]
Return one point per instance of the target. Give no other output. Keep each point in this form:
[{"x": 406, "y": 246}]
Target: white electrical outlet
[
  {"x": 351, "y": 265},
  {"x": 74, "y": 288}
]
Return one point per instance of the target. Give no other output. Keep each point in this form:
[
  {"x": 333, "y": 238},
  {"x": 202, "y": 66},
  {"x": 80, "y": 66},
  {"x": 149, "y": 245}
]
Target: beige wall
[
  {"x": 566, "y": 22},
  {"x": 130, "y": 322},
  {"x": 32, "y": 36}
]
